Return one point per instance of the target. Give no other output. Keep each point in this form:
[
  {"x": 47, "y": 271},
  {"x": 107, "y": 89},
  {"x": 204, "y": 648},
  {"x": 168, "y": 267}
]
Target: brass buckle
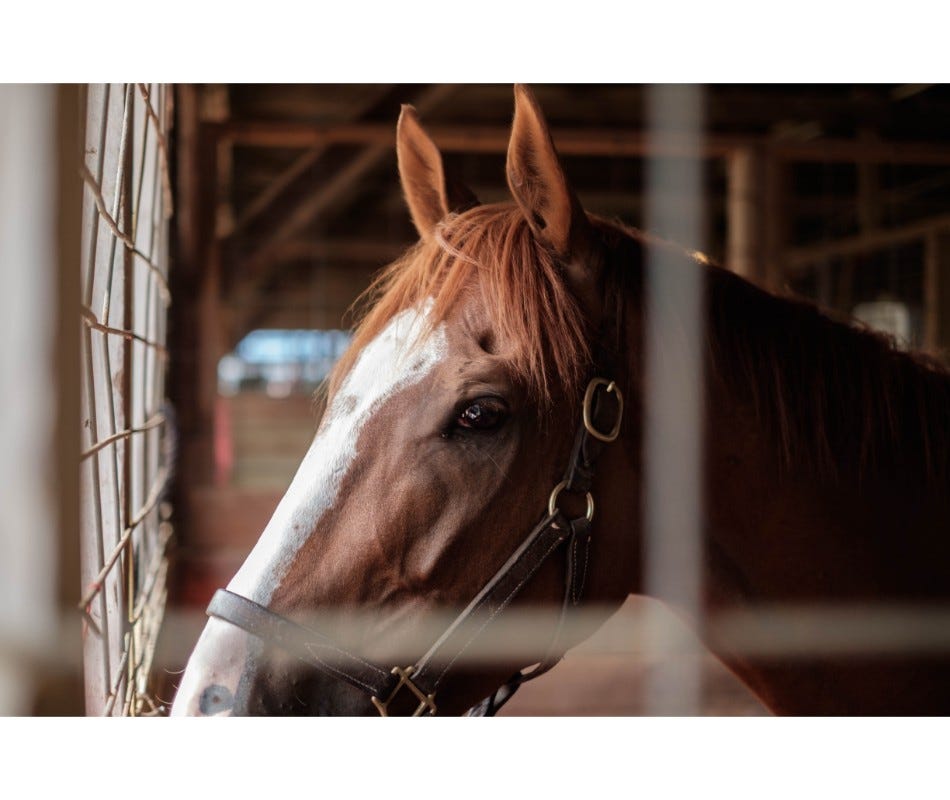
[
  {"x": 426, "y": 701},
  {"x": 552, "y": 501},
  {"x": 588, "y": 409}
]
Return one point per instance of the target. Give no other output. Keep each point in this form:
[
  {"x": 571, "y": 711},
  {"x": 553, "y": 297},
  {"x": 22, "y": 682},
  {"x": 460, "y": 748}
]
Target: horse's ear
[
  {"x": 431, "y": 195},
  {"x": 538, "y": 183}
]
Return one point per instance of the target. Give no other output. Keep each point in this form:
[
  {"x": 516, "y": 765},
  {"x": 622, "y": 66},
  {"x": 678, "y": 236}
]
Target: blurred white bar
[
  {"x": 673, "y": 400},
  {"x": 644, "y": 629},
  {"x": 28, "y": 303}
]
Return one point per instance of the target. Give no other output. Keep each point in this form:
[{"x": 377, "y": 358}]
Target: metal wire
[
  {"x": 154, "y": 422},
  {"x": 89, "y": 319}
]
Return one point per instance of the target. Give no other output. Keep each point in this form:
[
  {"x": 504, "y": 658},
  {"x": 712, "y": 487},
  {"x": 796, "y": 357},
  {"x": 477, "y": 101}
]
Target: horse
[{"x": 497, "y": 378}]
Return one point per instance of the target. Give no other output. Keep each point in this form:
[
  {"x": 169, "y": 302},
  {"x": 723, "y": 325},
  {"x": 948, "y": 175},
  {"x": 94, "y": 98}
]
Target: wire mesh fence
[{"x": 125, "y": 429}]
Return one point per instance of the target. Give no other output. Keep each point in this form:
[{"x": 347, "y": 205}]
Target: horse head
[{"x": 447, "y": 425}]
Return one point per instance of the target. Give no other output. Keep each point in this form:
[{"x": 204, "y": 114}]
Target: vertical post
[
  {"x": 196, "y": 313},
  {"x": 869, "y": 187},
  {"x": 744, "y": 246},
  {"x": 29, "y": 612},
  {"x": 774, "y": 222},
  {"x": 937, "y": 294},
  {"x": 64, "y": 695},
  {"x": 756, "y": 223},
  {"x": 674, "y": 389}
]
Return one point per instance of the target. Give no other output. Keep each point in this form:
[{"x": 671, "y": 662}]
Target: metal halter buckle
[
  {"x": 556, "y": 491},
  {"x": 588, "y": 409},
  {"x": 426, "y": 701}
]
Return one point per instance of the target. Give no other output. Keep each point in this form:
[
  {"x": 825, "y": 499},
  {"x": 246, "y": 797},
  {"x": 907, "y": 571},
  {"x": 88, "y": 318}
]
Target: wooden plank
[
  {"x": 846, "y": 151},
  {"x": 462, "y": 138},
  {"x": 363, "y": 250},
  {"x": 801, "y": 259},
  {"x": 103, "y": 485},
  {"x": 607, "y": 142}
]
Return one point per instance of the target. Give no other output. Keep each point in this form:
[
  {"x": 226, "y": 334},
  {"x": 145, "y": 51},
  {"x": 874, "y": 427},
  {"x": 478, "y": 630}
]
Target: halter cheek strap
[
  {"x": 422, "y": 680},
  {"x": 589, "y": 443}
]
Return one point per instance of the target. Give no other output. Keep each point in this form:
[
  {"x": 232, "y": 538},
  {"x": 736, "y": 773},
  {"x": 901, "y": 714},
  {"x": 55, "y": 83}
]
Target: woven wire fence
[{"x": 125, "y": 459}]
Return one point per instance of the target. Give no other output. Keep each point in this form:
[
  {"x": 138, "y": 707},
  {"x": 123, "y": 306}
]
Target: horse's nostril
[{"x": 215, "y": 699}]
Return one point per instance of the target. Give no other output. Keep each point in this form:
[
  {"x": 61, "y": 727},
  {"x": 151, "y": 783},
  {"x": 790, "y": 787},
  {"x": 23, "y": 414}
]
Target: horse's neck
[{"x": 782, "y": 538}]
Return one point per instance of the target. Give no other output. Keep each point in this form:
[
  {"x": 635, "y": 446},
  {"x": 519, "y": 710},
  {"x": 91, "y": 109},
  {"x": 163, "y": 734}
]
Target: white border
[
  {"x": 465, "y": 758},
  {"x": 484, "y": 41}
]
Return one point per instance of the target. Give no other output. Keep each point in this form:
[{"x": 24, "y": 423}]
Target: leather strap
[
  {"x": 308, "y": 645},
  {"x": 320, "y": 652},
  {"x": 497, "y": 594},
  {"x": 579, "y": 478}
]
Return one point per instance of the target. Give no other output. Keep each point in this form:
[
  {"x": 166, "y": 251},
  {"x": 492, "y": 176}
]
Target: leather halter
[{"x": 422, "y": 680}]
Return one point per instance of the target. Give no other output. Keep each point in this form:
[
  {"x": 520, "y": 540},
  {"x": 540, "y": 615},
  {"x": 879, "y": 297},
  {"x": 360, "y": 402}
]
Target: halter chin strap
[{"x": 422, "y": 680}]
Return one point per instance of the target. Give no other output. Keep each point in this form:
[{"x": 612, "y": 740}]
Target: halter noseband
[{"x": 422, "y": 680}]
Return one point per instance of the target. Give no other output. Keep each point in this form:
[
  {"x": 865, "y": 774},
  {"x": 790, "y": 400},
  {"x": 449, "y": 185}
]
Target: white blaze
[{"x": 396, "y": 359}]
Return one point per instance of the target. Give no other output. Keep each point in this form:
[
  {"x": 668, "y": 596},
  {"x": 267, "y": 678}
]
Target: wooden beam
[
  {"x": 260, "y": 264},
  {"x": 367, "y": 251},
  {"x": 331, "y": 191},
  {"x": 801, "y": 259},
  {"x": 322, "y": 317},
  {"x": 846, "y": 151},
  {"x": 299, "y": 167},
  {"x": 458, "y": 138},
  {"x": 607, "y": 142}
]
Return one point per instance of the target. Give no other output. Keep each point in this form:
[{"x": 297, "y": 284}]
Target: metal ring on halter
[
  {"x": 426, "y": 705},
  {"x": 588, "y": 409},
  {"x": 552, "y": 501}
]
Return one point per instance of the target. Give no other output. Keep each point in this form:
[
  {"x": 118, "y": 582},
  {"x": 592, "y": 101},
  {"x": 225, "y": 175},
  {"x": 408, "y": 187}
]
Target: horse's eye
[{"x": 482, "y": 415}]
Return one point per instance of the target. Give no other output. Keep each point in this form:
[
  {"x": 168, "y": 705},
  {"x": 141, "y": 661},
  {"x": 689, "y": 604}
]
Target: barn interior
[
  {"x": 225, "y": 232},
  {"x": 288, "y": 201}
]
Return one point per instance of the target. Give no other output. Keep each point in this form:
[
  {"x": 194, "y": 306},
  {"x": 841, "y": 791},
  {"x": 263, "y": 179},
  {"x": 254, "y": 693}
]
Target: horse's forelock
[{"x": 490, "y": 250}]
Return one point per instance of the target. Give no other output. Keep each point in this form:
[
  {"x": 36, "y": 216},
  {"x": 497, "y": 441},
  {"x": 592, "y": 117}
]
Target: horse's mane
[{"x": 835, "y": 398}]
